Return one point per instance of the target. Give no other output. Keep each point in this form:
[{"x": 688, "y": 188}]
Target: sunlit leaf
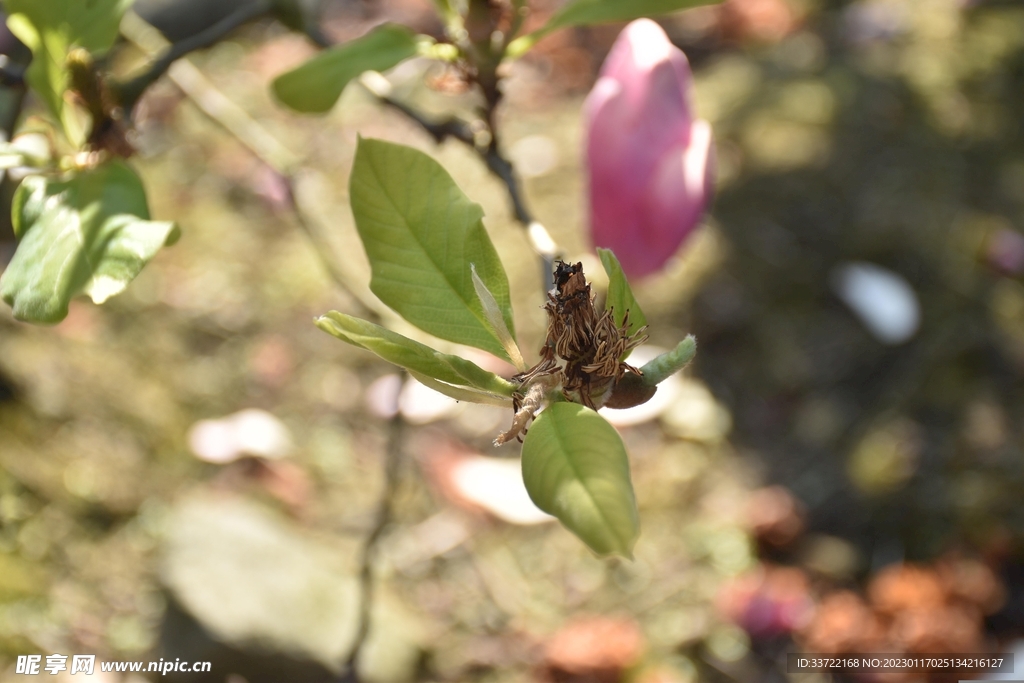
[
  {"x": 585, "y": 12},
  {"x": 11, "y": 156},
  {"x": 414, "y": 356},
  {"x": 50, "y": 28},
  {"x": 468, "y": 394},
  {"x": 89, "y": 233},
  {"x": 421, "y": 233},
  {"x": 620, "y": 296},
  {"x": 575, "y": 468},
  {"x": 315, "y": 86},
  {"x": 496, "y": 320}
]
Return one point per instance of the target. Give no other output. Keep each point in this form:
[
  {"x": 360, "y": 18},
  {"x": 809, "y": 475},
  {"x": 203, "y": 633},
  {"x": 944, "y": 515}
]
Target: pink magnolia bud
[{"x": 651, "y": 164}]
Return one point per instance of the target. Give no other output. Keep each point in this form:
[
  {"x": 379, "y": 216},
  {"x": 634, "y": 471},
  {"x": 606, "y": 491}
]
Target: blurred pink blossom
[
  {"x": 651, "y": 162},
  {"x": 1006, "y": 251}
]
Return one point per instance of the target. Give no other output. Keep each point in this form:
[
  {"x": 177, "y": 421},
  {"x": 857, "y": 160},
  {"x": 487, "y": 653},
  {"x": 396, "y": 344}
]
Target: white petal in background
[
  {"x": 496, "y": 485},
  {"x": 696, "y": 415},
  {"x": 382, "y": 396},
  {"x": 406, "y": 547},
  {"x": 534, "y": 155},
  {"x": 418, "y": 404},
  {"x": 422, "y": 405},
  {"x": 477, "y": 484},
  {"x": 882, "y": 300},
  {"x": 250, "y": 432}
]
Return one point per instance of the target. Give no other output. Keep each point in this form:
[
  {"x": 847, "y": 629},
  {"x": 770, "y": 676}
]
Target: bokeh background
[{"x": 190, "y": 470}]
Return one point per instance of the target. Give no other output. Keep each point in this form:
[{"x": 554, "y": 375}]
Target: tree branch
[
  {"x": 130, "y": 92},
  {"x": 451, "y": 127},
  {"x": 264, "y": 146},
  {"x": 489, "y": 152}
]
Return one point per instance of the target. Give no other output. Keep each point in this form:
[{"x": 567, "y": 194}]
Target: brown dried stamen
[
  {"x": 582, "y": 354},
  {"x": 587, "y": 345}
]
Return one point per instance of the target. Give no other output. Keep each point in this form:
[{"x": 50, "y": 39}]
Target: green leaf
[
  {"x": 89, "y": 234},
  {"x": 671, "y": 362},
  {"x": 585, "y": 12},
  {"x": 51, "y": 28},
  {"x": 91, "y": 24},
  {"x": 496, "y": 320},
  {"x": 620, "y": 296},
  {"x": 421, "y": 233},
  {"x": 462, "y": 393},
  {"x": 575, "y": 468},
  {"x": 415, "y": 357},
  {"x": 315, "y": 86},
  {"x": 12, "y": 157}
]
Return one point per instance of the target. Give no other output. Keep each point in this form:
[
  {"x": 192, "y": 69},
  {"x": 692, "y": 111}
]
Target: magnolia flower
[{"x": 651, "y": 163}]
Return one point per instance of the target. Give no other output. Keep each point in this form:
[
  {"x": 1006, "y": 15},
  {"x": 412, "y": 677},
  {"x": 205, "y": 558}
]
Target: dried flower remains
[{"x": 582, "y": 357}]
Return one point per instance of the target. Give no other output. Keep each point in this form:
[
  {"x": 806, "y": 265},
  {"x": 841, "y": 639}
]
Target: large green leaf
[
  {"x": 50, "y": 28},
  {"x": 315, "y": 86},
  {"x": 620, "y": 296},
  {"x": 89, "y": 233},
  {"x": 584, "y": 12},
  {"x": 575, "y": 468},
  {"x": 421, "y": 234},
  {"x": 415, "y": 357}
]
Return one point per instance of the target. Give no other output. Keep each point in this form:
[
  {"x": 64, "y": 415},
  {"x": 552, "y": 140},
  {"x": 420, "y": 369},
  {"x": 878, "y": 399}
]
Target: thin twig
[
  {"x": 320, "y": 246},
  {"x": 463, "y": 131},
  {"x": 254, "y": 137},
  {"x": 451, "y": 127},
  {"x": 130, "y": 92},
  {"x": 392, "y": 468},
  {"x": 502, "y": 167}
]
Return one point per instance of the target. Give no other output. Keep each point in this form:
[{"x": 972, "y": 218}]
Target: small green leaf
[
  {"x": 12, "y": 157},
  {"x": 575, "y": 468},
  {"x": 497, "y": 321},
  {"x": 50, "y": 28},
  {"x": 315, "y": 86},
  {"x": 421, "y": 233},
  {"x": 462, "y": 393},
  {"x": 585, "y": 12},
  {"x": 620, "y": 296},
  {"x": 89, "y": 234},
  {"x": 669, "y": 363},
  {"x": 418, "y": 358}
]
